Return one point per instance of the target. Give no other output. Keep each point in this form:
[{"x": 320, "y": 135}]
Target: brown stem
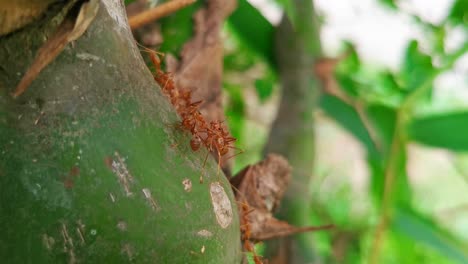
[{"x": 157, "y": 12}]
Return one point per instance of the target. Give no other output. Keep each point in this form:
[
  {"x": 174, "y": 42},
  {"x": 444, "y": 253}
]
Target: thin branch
[{"x": 157, "y": 12}]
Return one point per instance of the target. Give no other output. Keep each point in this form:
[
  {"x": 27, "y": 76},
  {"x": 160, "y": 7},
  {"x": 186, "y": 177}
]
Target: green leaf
[
  {"x": 254, "y": 30},
  {"x": 425, "y": 231},
  {"x": 389, "y": 82},
  {"x": 416, "y": 68},
  {"x": 347, "y": 69},
  {"x": 346, "y": 116},
  {"x": 351, "y": 63},
  {"x": 177, "y": 28},
  {"x": 439, "y": 35},
  {"x": 459, "y": 13},
  {"x": 377, "y": 178},
  {"x": 290, "y": 10},
  {"x": 340, "y": 206},
  {"x": 239, "y": 61},
  {"x": 264, "y": 88},
  {"x": 443, "y": 130},
  {"x": 348, "y": 84},
  {"x": 403, "y": 249},
  {"x": 235, "y": 109},
  {"x": 383, "y": 119},
  {"x": 389, "y": 3}
]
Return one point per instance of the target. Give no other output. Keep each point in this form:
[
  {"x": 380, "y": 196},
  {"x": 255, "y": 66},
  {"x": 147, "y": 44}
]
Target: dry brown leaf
[
  {"x": 73, "y": 26},
  {"x": 261, "y": 187}
]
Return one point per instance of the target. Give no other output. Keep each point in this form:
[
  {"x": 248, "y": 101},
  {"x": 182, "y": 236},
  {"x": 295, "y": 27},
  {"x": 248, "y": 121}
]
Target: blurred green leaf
[
  {"x": 264, "y": 88},
  {"x": 348, "y": 84},
  {"x": 351, "y": 63},
  {"x": 459, "y": 13},
  {"x": 383, "y": 119},
  {"x": 346, "y": 70},
  {"x": 254, "y": 30},
  {"x": 377, "y": 178},
  {"x": 347, "y": 117},
  {"x": 339, "y": 207},
  {"x": 177, "y": 28},
  {"x": 389, "y": 3},
  {"x": 238, "y": 61},
  {"x": 435, "y": 34},
  {"x": 389, "y": 82},
  {"x": 235, "y": 110},
  {"x": 403, "y": 249},
  {"x": 416, "y": 68},
  {"x": 443, "y": 130},
  {"x": 439, "y": 36},
  {"x": 425, "y": 231},
  {"x": 290, "y": 9}
]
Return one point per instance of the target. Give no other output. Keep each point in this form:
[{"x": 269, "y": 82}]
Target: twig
[{"x": 157, "y": 12}]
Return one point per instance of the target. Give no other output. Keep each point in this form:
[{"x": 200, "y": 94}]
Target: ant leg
[
  {"x": 203, "y": 167},
  {"x": 165, "y": 84},
  {"x": 238, "y": 153},
  {"x": 219, "y": 165}
]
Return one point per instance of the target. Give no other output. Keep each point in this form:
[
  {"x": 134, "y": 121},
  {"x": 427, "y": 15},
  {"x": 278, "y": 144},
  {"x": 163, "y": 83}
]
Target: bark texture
[{"x": 92, "y": 166}]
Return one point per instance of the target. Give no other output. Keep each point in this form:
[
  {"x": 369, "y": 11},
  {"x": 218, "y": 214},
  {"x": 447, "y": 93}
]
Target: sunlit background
[{"x": 438, "y": 177}]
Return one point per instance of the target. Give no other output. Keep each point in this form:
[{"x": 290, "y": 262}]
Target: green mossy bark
[{"x": 92, "y": 164}]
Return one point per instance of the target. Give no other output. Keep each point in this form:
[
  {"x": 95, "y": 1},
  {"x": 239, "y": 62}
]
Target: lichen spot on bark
[{"x": 221, "y": 205}]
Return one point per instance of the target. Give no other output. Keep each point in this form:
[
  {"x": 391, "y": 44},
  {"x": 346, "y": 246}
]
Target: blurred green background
[{"x": 391, "y": 137}]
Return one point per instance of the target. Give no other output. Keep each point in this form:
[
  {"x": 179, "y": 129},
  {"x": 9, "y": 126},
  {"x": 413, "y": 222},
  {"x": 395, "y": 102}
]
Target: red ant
[
  {"x": 245, "y": 228},
  {"x": 219, "y": 141},
  {"x": 213, "y": 136}
]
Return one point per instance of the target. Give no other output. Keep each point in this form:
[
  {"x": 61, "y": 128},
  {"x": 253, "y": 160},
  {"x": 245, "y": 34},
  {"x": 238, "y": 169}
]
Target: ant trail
[
  {"x": 213, "y": 135},
  {"x": 245, "y": 226}
]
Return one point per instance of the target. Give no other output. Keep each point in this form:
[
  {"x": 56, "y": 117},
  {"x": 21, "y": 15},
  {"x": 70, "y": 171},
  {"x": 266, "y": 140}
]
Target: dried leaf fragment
[
  {"x": 72, "y": 27},
  {"x": 261, "y": 187}
]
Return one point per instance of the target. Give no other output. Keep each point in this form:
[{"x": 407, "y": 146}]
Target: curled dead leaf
[{"x": 261, "y": 187}]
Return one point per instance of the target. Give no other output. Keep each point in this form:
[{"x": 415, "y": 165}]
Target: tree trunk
[
  {"x": 93, "y": 167},
  {"x": 292, "y": 134}
]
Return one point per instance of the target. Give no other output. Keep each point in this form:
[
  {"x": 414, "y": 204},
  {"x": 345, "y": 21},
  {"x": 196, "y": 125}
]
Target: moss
[{"x": 92, "y": 168}]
